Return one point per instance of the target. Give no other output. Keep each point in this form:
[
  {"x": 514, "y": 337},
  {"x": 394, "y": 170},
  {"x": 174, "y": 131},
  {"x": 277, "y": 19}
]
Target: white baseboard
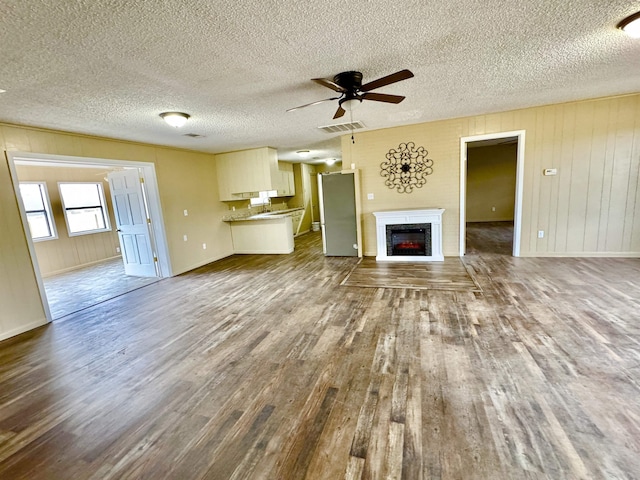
[
  {"x": 22, "y": 329},
  {"x": 582, "y": 254},
  {"x": 78, "y": 267}
]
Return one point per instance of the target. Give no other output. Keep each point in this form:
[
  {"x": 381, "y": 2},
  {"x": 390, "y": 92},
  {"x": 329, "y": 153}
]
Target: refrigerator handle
[{"x": 321, "y": 199}]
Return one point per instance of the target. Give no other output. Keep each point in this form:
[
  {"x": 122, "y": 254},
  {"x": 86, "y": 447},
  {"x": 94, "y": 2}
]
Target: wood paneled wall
[
  {"x": 66, "y": 253},
  {"x": 591, "y": 208}
]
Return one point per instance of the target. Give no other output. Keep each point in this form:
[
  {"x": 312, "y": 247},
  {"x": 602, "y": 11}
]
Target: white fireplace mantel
[{"x": 431, "y": 216}]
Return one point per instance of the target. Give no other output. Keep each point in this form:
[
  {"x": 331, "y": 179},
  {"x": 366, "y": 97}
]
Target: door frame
[
  {"x": 150, "y": 189},
  {"x": 517, "y": 212}
]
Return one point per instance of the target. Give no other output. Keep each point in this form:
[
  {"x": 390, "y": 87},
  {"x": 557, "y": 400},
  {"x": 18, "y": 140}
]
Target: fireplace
[
  {"x": 409, "y": 239},
  {"x": 409, "y": 235}
]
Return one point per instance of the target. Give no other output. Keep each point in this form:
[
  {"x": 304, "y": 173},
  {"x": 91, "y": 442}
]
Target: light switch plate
[{"x": 369, "y": 196}]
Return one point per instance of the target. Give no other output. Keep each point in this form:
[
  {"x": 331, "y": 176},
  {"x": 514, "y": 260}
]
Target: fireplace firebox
[
  {"x": 413, "y": 235},
  {"x": 409, "y": 239}
]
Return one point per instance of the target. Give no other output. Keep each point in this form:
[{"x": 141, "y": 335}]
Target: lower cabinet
[
  {"x": 296, "y": 218},
  {"x": 274, "y": 235}
]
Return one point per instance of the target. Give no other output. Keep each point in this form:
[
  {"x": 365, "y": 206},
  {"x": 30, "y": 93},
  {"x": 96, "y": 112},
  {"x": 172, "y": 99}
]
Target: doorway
[
  {"x": 69, "y": 282},
  {"x": 501, "y": 201}
]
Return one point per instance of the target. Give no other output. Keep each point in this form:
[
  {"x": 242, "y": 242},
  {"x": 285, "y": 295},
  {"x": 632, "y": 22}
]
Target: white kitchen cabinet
[
  {"x": 296, "y": 218},
  {"x": 269, "y": 235},
  {"x": 285, "y": 184},
  {"x": 244, "y": 173}
]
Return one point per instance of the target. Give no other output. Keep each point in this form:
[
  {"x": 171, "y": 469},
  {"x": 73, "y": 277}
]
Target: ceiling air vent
[
  {"x": 193, "y": 135},
  {"x": 343, "y": 127}
]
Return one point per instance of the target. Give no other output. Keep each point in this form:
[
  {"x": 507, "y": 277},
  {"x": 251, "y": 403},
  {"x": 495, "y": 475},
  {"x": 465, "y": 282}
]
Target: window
[
  {"x": 263, "y": 199},
  {"x": 84, "y": 208},
  {"x": 38, "y": 209}
]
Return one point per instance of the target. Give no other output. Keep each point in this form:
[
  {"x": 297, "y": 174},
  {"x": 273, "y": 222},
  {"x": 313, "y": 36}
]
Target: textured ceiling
[{"x": 109, "y": 67}]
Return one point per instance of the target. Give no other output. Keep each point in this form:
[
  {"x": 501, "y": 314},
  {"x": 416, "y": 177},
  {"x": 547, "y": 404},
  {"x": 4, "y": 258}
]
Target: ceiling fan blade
[
  {"x": 312, "y": 103},
  {"x": 382, "y": 97},
  {"x": 340, "y": 112},
  {"x": 329, "y": 84},
  {"x": 388, "y": 80}
]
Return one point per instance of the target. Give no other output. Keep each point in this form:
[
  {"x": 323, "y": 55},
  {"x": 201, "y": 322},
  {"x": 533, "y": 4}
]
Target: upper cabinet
[
  {"x": 244, "y": 173},
  {"x": 284, "y": 182}
]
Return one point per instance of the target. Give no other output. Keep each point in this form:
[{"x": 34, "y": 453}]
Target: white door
[{"x": 133, "y": 223}]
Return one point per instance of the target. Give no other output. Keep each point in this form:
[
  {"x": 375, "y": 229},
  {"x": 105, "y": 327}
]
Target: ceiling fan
[{"x": 349, "y": 86}]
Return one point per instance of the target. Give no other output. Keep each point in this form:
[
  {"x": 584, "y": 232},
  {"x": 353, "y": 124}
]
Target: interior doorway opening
[
  {"x": 491, "y": 180},
  {"x": 77, "y": 271}
]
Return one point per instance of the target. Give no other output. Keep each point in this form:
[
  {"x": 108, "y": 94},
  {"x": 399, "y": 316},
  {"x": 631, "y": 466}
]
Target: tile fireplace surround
[{"x": 413, "y": 218}]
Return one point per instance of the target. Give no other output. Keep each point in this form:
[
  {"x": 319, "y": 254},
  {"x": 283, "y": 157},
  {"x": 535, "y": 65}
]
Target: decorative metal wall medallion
[{"x": 406, "y": 168}]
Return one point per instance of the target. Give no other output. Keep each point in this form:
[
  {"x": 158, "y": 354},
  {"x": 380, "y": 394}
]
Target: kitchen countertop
[{"x": 275, "y": 215}]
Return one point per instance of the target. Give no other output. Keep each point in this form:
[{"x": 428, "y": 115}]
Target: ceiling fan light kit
[
  {"x": 175, "y": 119},
  {"x": 350, "y": 104},
  {"x": 631, "y": 25},
  {"x": 353, "y": 92}
]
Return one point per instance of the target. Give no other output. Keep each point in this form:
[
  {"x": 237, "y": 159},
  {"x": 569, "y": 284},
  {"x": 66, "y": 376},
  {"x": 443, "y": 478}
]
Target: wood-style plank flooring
[
  {"x": 264, "y": 367},
  {"x": 84, "y": 287},
  {"x": 450, "y": 274}
]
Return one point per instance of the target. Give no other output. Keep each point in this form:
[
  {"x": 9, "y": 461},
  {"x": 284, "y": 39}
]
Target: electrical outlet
[
  {"x": 540, "y": 233},
  {"x": 117, "y": 249},
  {"x": 493, "y": 209},
  {"x": 184, "y": 237},
  {"x": 204, "y": 246},
  {"x": 186, "y": 212},
  {"x": 370, "y": 196}
]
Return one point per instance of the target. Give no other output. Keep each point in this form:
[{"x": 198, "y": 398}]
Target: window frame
[
  {"x": 103, "y": 206},
  {"x": 46, "y": 201}
]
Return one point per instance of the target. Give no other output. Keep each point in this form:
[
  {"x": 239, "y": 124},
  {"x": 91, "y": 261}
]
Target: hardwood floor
[
  {"x": 448, "y": 275},
  {"x": 489, "y": 237},
  {"x": 264, "y": 367},
  {"x": 84, "y": 287}
]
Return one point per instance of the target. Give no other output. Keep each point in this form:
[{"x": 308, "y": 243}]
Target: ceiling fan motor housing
[{"x": 350, "y": 81}]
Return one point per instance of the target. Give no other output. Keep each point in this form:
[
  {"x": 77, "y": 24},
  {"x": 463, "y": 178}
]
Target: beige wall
[
  {"x": 186, "y": 180},
  {"x": 491, "y": 183},
  {"x": 592, "y": 207},
  {"x": 19, "y": 296},
  {"x": 302, "y": 174},
  {"x": 65, "y": 252}
]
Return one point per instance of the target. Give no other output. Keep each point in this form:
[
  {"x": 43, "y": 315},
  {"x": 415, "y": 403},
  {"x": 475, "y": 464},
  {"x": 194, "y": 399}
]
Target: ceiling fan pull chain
[{"x": 353, "y": 140}]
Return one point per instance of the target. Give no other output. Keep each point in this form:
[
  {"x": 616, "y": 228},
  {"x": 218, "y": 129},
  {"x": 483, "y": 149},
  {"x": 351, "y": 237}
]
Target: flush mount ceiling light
[
  {"x": 330, "y": 161},
  {"x": 631, "y": 25},
  {"x": 175, "y": 119}
]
